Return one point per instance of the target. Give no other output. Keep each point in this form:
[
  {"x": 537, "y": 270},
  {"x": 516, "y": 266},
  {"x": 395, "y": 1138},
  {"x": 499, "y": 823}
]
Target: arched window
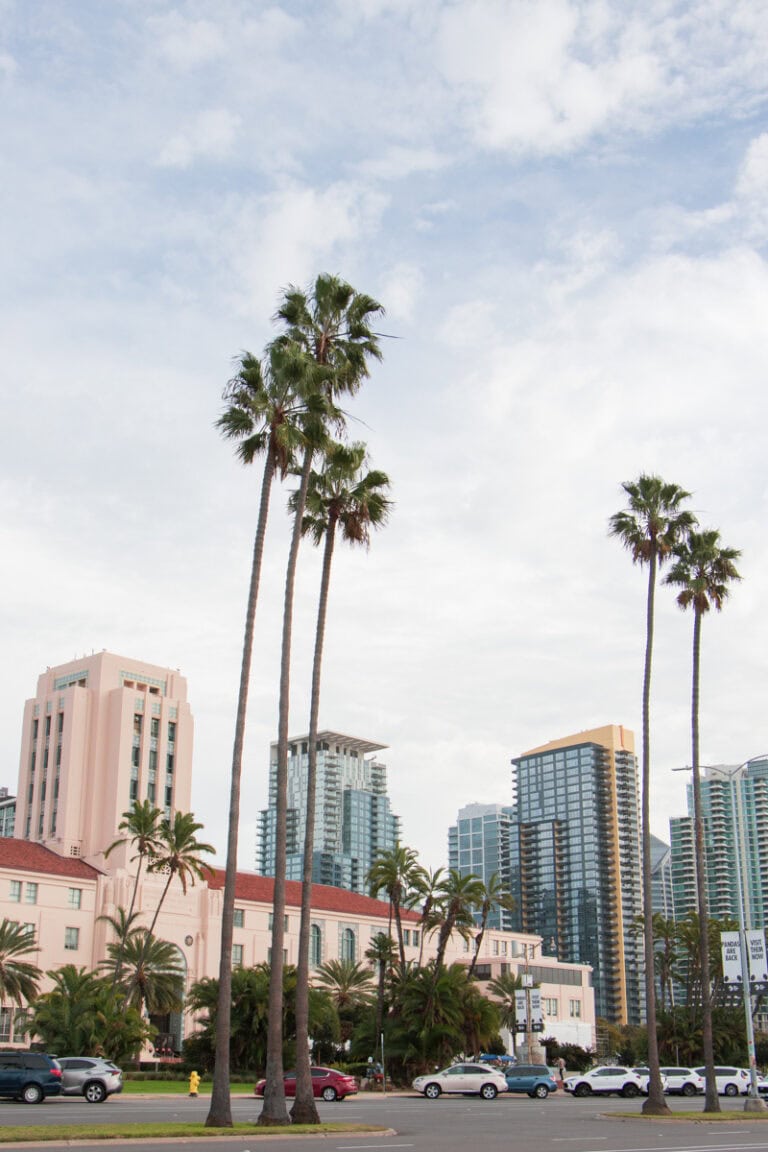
[
  {"x": 315, "y": 946},
  {"x": 348, "y": 945}
]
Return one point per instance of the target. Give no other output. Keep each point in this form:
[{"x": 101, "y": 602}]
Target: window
[
  {"x": 348, "y": 944},
  {"x": 5, "y": 1024},
  {"x": 154, "y": 727},
  {"x": 315, "y": 946},
  {"x": 550, "y": 1006},
  {"x": 71, "y": 939},
  {"x": 239, "y": 918},
  {"x": 29, "y": 929},
  {"x": 574, "y": 1008},
  {"x": 406, "y": 936},
  {"x": 30, "y": 896},
  {"x": 171, "y": 732},
  {"x": 137, "y": 724},
  {"x": 75, "y": 897},
  {"x": 415, "y": 938},
  {"x": 14, "y": 894},
  {"x": 272, "y": 920},
  {"x": 237, "y": 955}
]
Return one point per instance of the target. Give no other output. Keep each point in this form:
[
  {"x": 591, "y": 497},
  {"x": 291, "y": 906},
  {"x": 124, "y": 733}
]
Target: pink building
[{"x": 105, "y": 731}]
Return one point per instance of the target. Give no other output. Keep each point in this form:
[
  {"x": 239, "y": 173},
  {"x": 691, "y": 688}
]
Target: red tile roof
[
  {"x": 23, "y": 856},
  {"x": 260, "y": 889}
]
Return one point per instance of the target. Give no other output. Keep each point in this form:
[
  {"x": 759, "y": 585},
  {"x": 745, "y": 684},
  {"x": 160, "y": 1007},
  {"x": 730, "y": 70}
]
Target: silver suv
[{"x": 89, "y": 1076}]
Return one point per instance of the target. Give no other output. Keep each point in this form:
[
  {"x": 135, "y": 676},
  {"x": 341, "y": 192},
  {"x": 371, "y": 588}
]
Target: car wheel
[
  {"x": 32, "y": 1094},
  {"x": 541, "y": 1091},
  {"x": 731, "y": 1090},
  {"x": 95, "y": 1093},
  {"x": 582, "y": 1090},
  {"x": 489, "y": 1091},
  {"x": 432, "y": 1091},
  {"x": 630, "y": 1090},
  {"x": 329, "y": 1094},
  {"x": 689, "y": 1089}
]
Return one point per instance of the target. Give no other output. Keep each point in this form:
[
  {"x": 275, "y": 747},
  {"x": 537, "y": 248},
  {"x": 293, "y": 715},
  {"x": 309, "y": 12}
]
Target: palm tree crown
[
  {"x": 18, "y": 978},
  {"x": 702, "y": 569}
]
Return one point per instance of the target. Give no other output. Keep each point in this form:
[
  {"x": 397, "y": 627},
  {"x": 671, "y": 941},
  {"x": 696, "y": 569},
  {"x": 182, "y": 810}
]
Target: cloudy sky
[{"x": 563, "y": 206}]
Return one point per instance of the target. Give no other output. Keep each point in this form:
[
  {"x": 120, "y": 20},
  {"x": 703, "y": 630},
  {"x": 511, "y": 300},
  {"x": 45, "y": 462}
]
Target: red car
[{"x": 327, "y": 1083}]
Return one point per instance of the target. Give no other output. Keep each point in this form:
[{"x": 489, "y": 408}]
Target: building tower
[
  {"x": 353, "y": 820},
  {"x": 484, "y": 841},
  {"x": 100, "y": 733},
  {"x": 732, "y": 815},
  {"x": 580, "y": 872}
]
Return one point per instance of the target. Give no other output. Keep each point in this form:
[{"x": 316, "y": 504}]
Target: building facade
[
  {"x": 580, "y": 875},
  {"x": 7, "y": 813},
  {"x": 353, "y": 820},
  {"x": 662, "y": 900},
  {"x": 484, "y": 842},
  {"x": 734, "y": 804},
  {"x": 100, "y": 733}
]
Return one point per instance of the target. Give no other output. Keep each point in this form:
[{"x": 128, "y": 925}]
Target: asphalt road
[{"x": 460, "y": 1124}]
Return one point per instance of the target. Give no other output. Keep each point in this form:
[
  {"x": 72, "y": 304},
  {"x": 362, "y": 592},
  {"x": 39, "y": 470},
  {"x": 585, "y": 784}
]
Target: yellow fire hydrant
[{"x": 194, "y": 1083}]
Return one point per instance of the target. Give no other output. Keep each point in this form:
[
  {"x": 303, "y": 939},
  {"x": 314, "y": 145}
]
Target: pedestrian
[{"x": 561, "y": 1069}]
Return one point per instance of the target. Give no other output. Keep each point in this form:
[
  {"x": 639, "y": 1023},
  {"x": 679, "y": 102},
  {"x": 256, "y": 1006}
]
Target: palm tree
[
  {"x": 504, "y": 987},
  {"x": 396, "y": 872},
  {"x": 349, "y": 986},
  {"x": 180, "y": 855},
  {"x": 649, "y": 528},
  {"x": 495, "y": 896},
  {"x": 427, "y": 882},
  {"x": 261, "y": 415},
  {"x": 153, "y": 975},
  {"x": 325, "y": 349},
  {"x": 702, "y": 570},
  {"x": 18, "y": 978},
  {"x": 459, "y": 896},
  {"x": 140, "y": 826},
  {"x": 342, "y": 496},
  {"x": 381, "y": 953}
]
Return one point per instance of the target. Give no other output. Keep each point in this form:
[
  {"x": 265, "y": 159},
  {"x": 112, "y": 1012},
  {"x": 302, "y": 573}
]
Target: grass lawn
[
  {"x": 700, "y": 1117},
  {"x": 178, "y": 1088},
  {"x": 59, "y": 1134}
]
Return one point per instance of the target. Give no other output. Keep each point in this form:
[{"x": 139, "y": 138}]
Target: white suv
[
  {"x": 474, "y": 1079},
  {"x": 604, "y": 1080},
  {"x": 730, "y": 1081},
  {"x": 683, "y": 1081}
]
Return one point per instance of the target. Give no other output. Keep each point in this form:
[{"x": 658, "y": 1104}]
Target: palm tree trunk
[
  {"x": 655, "y": 1103},
  {"x": 399, "y": 929},
  {"x": 220, "y": 1111},
  {"x": 274, "y": 1111},
  {"x": 711, "y": 1099},
  {"x": 478, "y": 942},
  {"x": 304, "y": 1110}
]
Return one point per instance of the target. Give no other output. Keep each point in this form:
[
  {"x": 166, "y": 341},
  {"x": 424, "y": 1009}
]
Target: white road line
[{"x": 368, "y": 1147}]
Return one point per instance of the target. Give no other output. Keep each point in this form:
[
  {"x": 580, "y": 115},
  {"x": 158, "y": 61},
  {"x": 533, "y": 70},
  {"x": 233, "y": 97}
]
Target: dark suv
[{"x": 29, "y": 1076}]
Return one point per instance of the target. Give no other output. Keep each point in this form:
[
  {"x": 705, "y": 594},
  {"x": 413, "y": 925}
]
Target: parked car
[
  {"x": 327, "y": 1084},
  {"x": 29, "y": 1076},
  {"x": 535, "y": 1079},
  {"x": 90, "y": 1076},
  {"x": 683, "y": 1081},
  {"x": 730, "y": 1081},
  {"x": 467, "y": 1079},
  {"x": 645, "y": 1075},
  {"x": 607, "y": 1079}
]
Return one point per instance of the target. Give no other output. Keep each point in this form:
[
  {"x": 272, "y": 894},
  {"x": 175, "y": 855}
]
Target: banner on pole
[
  {"x": 758, "y": 965},
  {"x": 521, "y": 1011},
  {"x": 729, "y": 943},
  {"x": 537, "y": 1017}
]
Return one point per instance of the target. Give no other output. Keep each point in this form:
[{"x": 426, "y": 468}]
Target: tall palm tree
[
  {"x": 381, "y": 953},
  {"x": 505, "y": 987},
  {"x": 495, "y": 895},
  {"x": 18, "y": 978},
  {"x": 396, "y": 872},
  {"x": 349, "y": 985},
  {"x": 325, "y": 348},
  {"x": 180, "y": 855},
  {"x": 261, "y": 415},
  {"x": 347, "y": 497},
  {"x": 427, "y": 882},
  {"x": 650, "y": 527},
  {"x": 459, "y": 897},
  {"x": 702, "y": 570},
  {"x": 140, "y": 826}
]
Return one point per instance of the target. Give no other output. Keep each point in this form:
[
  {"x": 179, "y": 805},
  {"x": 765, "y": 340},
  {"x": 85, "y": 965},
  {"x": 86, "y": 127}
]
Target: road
[{"x": 460, "y": 1124}]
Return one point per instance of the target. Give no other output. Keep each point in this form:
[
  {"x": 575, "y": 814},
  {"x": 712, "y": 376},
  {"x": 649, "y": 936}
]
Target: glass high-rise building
[
  {"x": 734, "y": 815},
  {"x": 353, "y": 820},
  {"x": 580, "y": 876},
  {"x": 484, "y": 842}
]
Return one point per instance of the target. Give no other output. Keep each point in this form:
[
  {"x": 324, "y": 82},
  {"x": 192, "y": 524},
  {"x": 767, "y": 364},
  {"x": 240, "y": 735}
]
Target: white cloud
[
  {"x": 8, "y": 65},
  {"x": 210, "y": 137},
  {"x": 398, "y": 162},
  {"x": 186, "y": 43},
  {"x": 402, "y": 287}
]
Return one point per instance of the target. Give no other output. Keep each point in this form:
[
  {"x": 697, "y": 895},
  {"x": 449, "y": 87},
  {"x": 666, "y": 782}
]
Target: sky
[{"x": 562, "y": 206}]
